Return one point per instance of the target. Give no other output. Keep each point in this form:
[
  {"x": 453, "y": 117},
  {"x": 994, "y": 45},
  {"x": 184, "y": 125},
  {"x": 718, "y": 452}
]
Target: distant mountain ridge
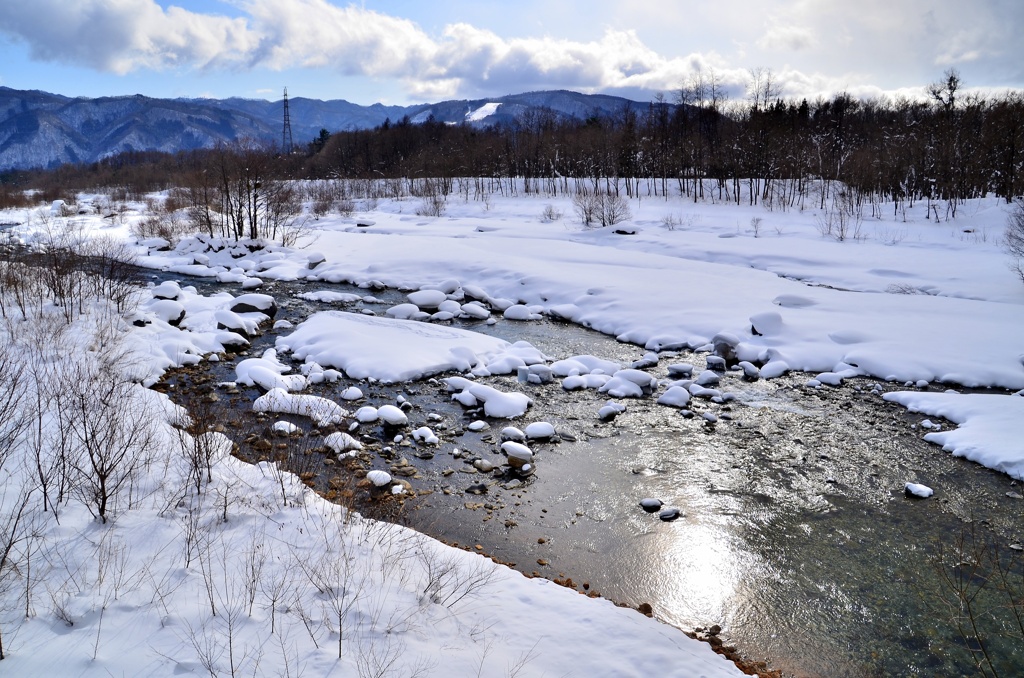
[{"x": 39, "y": 129}]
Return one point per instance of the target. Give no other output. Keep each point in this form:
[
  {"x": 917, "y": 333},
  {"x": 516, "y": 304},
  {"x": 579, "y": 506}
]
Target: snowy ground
[
  {"x": 911, "y": 300},
  {"x": 931, "y": 305}
]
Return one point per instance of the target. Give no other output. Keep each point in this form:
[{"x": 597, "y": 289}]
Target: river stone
[
  {"x": 255, "y": 303},
  {"x": 725, "y": 346},
  {"x": 917, "y": 491},
  {"x": 483, "y": 465},
  {"x": 669, "y": 514},
  {"x": 518, "y": 454},
  {"x": 750, "y": 371},
  {"x": 379, "y": 478},
  {"x": 479, "y": 488},
  {"x": 427, "y": 298},
  {"x": 650, "y": 504},
  {"x": 512, "y": 433},
  {"x": 168, "y": 310},
  {"x": 716, "y": 363},
  {"x": 540, "y": 430},
  {"x": 167, "y": 290}
]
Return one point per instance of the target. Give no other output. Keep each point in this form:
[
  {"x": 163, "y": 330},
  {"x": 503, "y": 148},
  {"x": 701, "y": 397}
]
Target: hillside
[{"x": 38, "y": 129}]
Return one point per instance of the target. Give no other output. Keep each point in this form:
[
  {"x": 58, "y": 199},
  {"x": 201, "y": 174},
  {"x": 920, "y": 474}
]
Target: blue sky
[{"x": 401, "y": 51}]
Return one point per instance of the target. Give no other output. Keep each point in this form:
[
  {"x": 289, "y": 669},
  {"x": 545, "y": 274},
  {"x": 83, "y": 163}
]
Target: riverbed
[{"x": 795, "y": 535}]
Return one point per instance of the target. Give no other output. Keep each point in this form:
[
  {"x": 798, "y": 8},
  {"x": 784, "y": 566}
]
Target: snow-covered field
[{"x": 247, "y": 571}]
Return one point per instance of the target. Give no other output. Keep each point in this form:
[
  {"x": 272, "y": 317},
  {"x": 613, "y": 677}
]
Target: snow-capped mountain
[{"x": 38, "y": 129}]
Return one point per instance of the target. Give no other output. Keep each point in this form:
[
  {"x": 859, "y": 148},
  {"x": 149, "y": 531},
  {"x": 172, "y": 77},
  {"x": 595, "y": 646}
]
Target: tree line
[{"x": 764, "y": 149}]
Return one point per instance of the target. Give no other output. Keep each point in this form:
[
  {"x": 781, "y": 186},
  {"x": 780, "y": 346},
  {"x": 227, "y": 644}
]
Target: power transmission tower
[{"x": 286, "y": 135}]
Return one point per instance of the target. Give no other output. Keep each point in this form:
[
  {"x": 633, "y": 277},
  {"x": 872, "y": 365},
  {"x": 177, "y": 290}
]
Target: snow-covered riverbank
[
  {"x": 915, "y": 301},
  {"x": 254, "y": 573}
]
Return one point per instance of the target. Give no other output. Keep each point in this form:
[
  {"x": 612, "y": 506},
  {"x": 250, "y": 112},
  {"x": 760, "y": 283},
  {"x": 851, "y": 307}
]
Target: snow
[
  {"x": 579, "y": 381},
  {"x": 483, "y": 112},
  {"x": 915, "y": 301},
  {"x": 584, "y": 364},
  {"x": 989, "y": 429},
  {"x": 474, "y": 310},
  {"x": 539, "y": 430},
  {"x": 321, "y": 410},
  {"x": 517, "y": 450},
  {"x": 497, "y": 404},
  {"x": 387, "y": 349},
  {"x": 513, "y": 433},
  {"x": 351, "y": 393},
  {"x": 750, "y": 371},
  {"x": 167, "y": 310},
  {"x": 610, "y": 410},
  {"x": 366, "y": 415},
  {"x": 629, "y": 383},
  {"x": 675, "y": 396},
  {"x": 260, "y": 302},
  {"x": 391, "y": 415},
  {"x": 340, "y": 442},
  {"x": 330, "y": 297},
  {"x": 426, "y": 436},
  {"x": 428, "y": 298},
  {"x": 918, "y": 490},
  {"x": 285, "y": 427},
  {"x": 521, "y": 312},
  {"x": 267, "y": 372}
]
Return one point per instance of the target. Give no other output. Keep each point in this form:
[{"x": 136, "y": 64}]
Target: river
[{"x": 795, "y": 535}]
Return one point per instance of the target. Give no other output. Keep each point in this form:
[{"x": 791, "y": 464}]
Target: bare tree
[{"x": 944, "y": 90}]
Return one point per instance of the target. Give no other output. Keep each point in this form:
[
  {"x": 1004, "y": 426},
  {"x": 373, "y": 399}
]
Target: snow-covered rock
[
  {"x": 539, "y": 430},
  {"x": 497, "y": 404},
  {"x": 342, "y": 442},
  {"x": 424, "y": 435},
  {"x": 675, "y": 396},
  {"x": 320, "y": 410},
  {"x": 391, "y": 415},
  {"x": 916, "y": 490}
]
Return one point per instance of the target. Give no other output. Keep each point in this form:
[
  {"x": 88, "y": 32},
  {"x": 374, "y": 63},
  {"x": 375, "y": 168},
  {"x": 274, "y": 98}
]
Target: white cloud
[
  {"x": 124, "y": 35},
  {"x": 828, "y": 45},
  {"x": 789, "y": 38}
]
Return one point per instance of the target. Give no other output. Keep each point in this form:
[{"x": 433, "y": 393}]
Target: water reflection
[{"x": 795, "y": 535}]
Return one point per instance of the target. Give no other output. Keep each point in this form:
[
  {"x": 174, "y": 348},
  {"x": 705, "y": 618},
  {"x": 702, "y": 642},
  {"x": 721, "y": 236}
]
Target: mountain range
[{"x": 43, "y": 130}]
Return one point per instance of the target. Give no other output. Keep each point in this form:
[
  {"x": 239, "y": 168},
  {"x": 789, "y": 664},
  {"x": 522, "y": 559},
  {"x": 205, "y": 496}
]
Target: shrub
[
  {"x": 607, "y": 209},
  {"x": 1014, "y": 238},
  {"x": 550, "y": 214}
]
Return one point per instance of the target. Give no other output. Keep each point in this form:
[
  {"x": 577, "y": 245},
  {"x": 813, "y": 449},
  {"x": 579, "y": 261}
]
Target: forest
[{"x": 841, "y": 152}]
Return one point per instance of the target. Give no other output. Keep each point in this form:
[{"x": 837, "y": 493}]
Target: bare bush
[
  {"x": 755, "y": 225},
  {"x": 842, "y": 221},
  {"x": 431, "y": 206},
  {"x": 600, "y": 207},
  {"x": 550, "y": 214},
  {"x": 112, "y": 430},
  {"x": 450, "y": 581},
  {"x": 981, "y": 592},
  {"x": 1014, "y": 238},
  {"x": 199, "y": 444},
  {"x": 614, "y": 208},
  {"x": 586, "y": 204},
  {"x": 168, "y": 226}
]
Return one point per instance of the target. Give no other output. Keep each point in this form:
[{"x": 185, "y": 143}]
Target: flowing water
[{"x": 795, "y": 535}]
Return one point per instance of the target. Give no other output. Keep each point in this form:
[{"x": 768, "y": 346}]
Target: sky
[{"x": 413, "y": 51}]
